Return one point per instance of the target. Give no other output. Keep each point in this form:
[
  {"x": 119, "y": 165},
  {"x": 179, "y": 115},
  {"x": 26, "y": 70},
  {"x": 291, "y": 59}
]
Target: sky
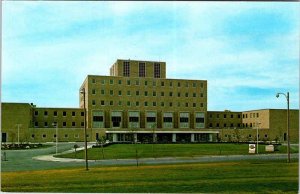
[{"x": 247, "y": 51}]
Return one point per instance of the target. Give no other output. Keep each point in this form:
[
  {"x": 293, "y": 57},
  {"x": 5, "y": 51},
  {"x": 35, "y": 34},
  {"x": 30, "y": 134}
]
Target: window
[
  {"x": 73, "y": 124},
  {"x": 218, "y": 125},
  {"x": 55, "y": 113},
  {"x": 194, "y": 84},
  {"x": 210, "y": 125},
  {"x": 151, "y": 119},
  {"x": 120, "y": 93},
  {"x": 126, "y": 69},
  {"x": 76, "y": 135},
  {"x": 225, "y": 125},
  {"x": 111, "y": 92},
  {"x": 45, "y": 113},
  {"x": 257, "y": 114},
  {"x": 154, "y": 103},
  {"x": 64, "y": 124},
  {"x": 146, "y": 93},
  {"x": 186, "y": 84},
  {"x": 32, "y": 136},
  {"x": 224, "y": 116},
  {"x": 44, "y": 135},
  {"x": 133, "y": 119},
  {"x": 186, "y": 104},
  {"x": 64, "y": 113},
  {"x": 199, "y": 120},
  {"x": 128, "y": 93},
  {"x": 82, "y": 124},
  {"x": 111, "y": 81},
  {"x": 142, "y": 70},
  {"x": 201, "y": 95},
  {"x": 249, "y": 135},
  {"x": 154, "y": 93},
  {"x": 137, "y": 82},
  {"x": 93, "y": 91},
  {"x": 128, "y": 103},
  {"x": 120, "y": 103},
  {"x": 170, "y": 104},
  {"x": 93, "y": 81},
  {"x": 184, "y": 119},
  {"x": 137, "y": 103},
  {"x": 154, "y": 83},
  {"x": 66, "y": 136},
  {"x": 171, "y": 94},
  {"x": 102, "y": 91},
  {"x": 128, "y": 82},
  {"x": 239, "y": 116},
  {"x": 137, "y": 93},
  {"x": 46, "y": 124},
  {"x": 111, "y": 103},
  {"x": 210, "y": 116},
  {"x": 146, "y": 103},
  {"x": 93, "y": 102},
  {"x": 102, "y": 103},
  {"x": 146, "y": 83},
  {"x": 201, "y": 85},
  {"x": 162, "y": 94},
  {"x": 231, "y": 125},
  {"x": 120, "y": 82},
  {"x": 82, "y": 114},
  {"x": 250, "y": 124},
  {"x": 103, "y": 81},
  {"x": 239, "y": 125},
  {"x": 194, "y": 94},
  {"x": 194, "y": 104},
  {"x": 218, "y": 116},
  {"x": 231, "y": 116},
  {"x": 98, "y": 118},
  {"x": 36, "y": 113},
  {"x": 186, "y": 94},
  {"x": 73, "y": 114},
  {"x": 168, "y": 119},
  {"x": 162, "y": 104},
  {"x": 157, "y": 70},
  {"x": 162, "y": 83},
  {"x": 178, "y": 94},
  {"x": 171, "y": 84},
  {"x": 178, "y": 84},
  {"x": 266, "y": 135}
]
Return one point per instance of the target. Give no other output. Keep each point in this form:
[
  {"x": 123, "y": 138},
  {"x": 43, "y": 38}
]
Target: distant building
[{"x": 138, "y": 103}]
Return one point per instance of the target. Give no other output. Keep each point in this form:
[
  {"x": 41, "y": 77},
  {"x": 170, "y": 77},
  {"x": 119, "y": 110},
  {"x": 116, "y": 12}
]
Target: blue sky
[{"x": 248, "y": 51}]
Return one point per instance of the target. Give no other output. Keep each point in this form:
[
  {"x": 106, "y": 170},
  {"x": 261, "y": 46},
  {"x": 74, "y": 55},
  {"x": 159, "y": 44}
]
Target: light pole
[
  {"x": 56, "y": 136},
  {"x": 257, "y": 123},
  {"x": 287, "y": 96},
  {"x": 85, "y": 139}
]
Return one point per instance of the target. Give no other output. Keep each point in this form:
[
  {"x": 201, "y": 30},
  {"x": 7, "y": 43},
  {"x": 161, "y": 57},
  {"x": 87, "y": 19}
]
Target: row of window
[
  {"x": 250, "y": 136},
  {"x": 54, "y": 136},
  {"x": 146, "y": 104},
  {"x": 64, "y": 124},
  {"x": 232, "y": 125},
  {"x": 147, "y": 83},
  {"x": 55, "y": 113},
  {"x": 147, "y": 93},
  {"x": 224, "y": 116},
  {"x": 251, "y": 115}
]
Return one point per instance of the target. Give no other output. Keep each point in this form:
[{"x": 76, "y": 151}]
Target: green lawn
[
  {"x": 121, "y": 151},
  {"x": 222, "y": 177}
]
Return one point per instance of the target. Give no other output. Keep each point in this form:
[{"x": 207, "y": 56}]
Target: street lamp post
[
  {"x": 287, "y": 96},
  {"x": 85, "y": 139},
  {"x": 56, "y": 137},
  {"x": 257, "y": 123}
]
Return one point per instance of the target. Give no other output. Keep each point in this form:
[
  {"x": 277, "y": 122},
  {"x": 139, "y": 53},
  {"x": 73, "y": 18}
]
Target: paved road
[{"x": 40, "y": 159}]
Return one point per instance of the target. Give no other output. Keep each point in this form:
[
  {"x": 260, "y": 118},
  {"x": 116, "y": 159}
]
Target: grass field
[
  {"x": 223, "y": 177},
  {"x": 121, "y": 151}
]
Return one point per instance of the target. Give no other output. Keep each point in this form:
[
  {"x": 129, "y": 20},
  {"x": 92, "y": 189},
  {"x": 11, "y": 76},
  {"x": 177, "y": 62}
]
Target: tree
[
  {"x": 75, "y": 147},
  {"x": 237, "y": 134}
]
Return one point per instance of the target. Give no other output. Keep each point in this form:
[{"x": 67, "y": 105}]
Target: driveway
[{"x": 40, "y": 159}]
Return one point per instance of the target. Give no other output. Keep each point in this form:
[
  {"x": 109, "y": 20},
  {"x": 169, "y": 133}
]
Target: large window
[
  {"x": 157, "y": 70},
  {"x": 126, "y": 69},
  {"x": 142, "y": 70}
]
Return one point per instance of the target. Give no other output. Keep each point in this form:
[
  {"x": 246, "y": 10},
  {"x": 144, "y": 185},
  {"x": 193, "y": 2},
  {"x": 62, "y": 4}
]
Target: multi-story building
[{"x": 137, "y": 102}]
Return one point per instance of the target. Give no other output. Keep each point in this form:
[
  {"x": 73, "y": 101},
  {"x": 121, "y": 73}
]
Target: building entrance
[{"x": 4, "y": 137}]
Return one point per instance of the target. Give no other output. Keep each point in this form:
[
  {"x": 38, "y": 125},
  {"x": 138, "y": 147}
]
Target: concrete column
[
  {"x": 135, "y": 137},
  {"x": 210, "y": 137},
  {"x": 192, "y": 137},
  {"x": 115, "y": 137},
  {"x": 174, "y": 137}
]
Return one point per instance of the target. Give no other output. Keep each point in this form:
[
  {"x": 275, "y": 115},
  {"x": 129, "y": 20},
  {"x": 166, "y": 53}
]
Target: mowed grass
[
  {"x": 122, "y": 151},
  {"x": 222, "y": 177}
]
